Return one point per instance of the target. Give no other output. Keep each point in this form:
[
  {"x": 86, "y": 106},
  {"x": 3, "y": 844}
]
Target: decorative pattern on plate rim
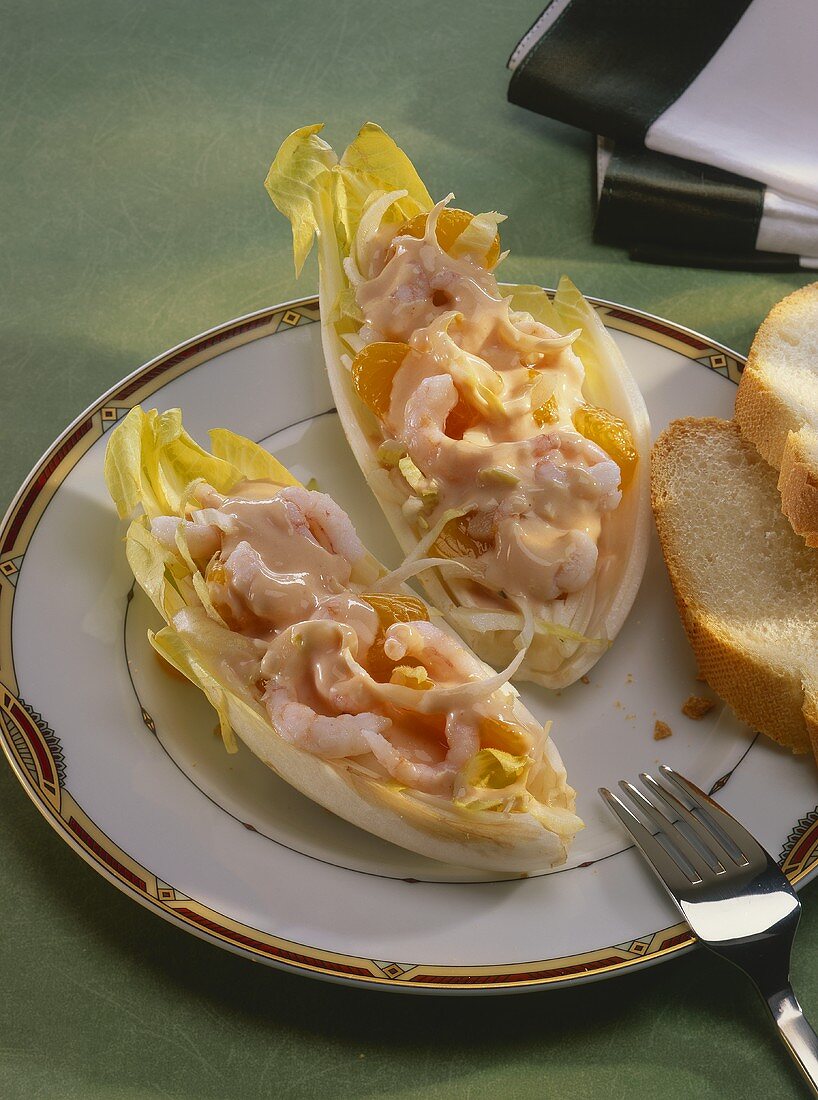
[
  {"x": 35, "y": 754},
  {"x": 800, "y": 852}
]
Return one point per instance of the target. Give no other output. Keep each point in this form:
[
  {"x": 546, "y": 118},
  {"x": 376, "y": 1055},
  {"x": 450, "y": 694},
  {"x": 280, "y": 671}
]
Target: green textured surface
[{"x": 135, "y": 137}]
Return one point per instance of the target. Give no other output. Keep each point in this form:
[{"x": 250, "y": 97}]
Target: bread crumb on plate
[
  {"x": 661, "y": 730},
  {"x": 697, "y": 706}
]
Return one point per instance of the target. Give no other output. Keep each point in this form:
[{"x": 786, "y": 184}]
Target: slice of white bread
[
  {"x": 746, "y": 586},
  {"x": 777, "y": 404},
  {"x": 798, "y": 482}
]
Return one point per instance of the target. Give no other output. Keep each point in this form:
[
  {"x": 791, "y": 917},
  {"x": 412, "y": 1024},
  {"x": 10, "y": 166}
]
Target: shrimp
[
  {"x": 203, "y": 539},
  {"x": 255, "y": 599},
  {"x": 540, "y": 561},
  {"x": 544, "y": 527},
  {"x": 280, "y": 552},
  {"x": 398, "y": 300},
  {"x": 354, "y": 612},
  {"x": 424, "y": 418},
  {"x": 311, "y": 514},
  {"x": 578, "y": 562},
  {"x": 565, "y": 460},
  {"x": 561, "y": 460},
  {"x": 307, "y": 675},
  {"x": 331, "y": 737},
  {"x": 316, "y": 701},
  {"x": 317, "y": 516},
  {"x": 446, "y": 661},
  {"x": 463, "y": 741},
  {"x": 418, "y": 281},
  {"x": 443, "y": 657}
]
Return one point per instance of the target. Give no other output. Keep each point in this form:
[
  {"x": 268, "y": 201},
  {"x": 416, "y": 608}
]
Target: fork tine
[
  {"x": 673, "y": 876},
  {"x": 713, "y": 814},
  {"x": 720, "y": 853},
  {"x": 669, "y": 831}
]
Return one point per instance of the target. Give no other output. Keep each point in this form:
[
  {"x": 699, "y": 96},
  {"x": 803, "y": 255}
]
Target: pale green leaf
[
  {"x": 254, "y": 462},
  {"x": 151, "y": 460},
  {"x": 297, "y": 177}
]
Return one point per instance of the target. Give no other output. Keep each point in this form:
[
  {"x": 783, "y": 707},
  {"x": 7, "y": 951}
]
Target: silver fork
[{"x": 730, "y": 891}]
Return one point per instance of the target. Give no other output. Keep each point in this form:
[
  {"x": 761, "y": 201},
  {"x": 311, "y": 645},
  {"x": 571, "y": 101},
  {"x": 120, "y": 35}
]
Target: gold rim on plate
[{"x": 33, "y": 749}]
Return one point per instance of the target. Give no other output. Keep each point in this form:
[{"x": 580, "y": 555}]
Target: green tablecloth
[{"x": 135, "y": 138}]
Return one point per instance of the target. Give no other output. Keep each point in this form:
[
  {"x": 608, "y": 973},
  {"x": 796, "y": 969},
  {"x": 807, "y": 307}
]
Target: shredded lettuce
[
  {"x": 498, "y": 475},
  {"x": 390, "y": 452},
  {"x": 475, "y": 380},
  {"x": 478, "y": 238},
  {"x": 424, "y": 546},
  {"x": 346, "y": 311},
  {"x": 373, "y": 214},
  {"x": 491, "y": 779},
  {"x": 413, "y": 567},
  {"x": 494, "y": 769},
  {"x": 569, "y": 311},
  {"x": 412, "y": 677},
  {"x": 491, "y": 621},
  {"x": 396, "y": 607},
  {"x": 437, "y": 700},
  {"x": 557, "y": 819},
  {"x": 535, "y": 301},
  {"x": 202, "y": 591},
  {"x": 425, "y": 488}
]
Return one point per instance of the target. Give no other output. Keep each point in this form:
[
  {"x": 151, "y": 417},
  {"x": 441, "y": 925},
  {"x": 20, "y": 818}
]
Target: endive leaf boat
[
  {"x": 326, "y": 666},
  {"x": 498, "y": 429}
]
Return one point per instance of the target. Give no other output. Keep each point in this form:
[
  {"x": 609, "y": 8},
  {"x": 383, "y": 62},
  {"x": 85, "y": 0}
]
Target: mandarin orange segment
[
  {"x": 432, "y": 726},
  {"x": 611, "y": 434},
  {"x": 216, "y": 572},
  {"x": 391, "y": 607},
  {"x": 373, "y": 372},
  {"x": 547, "y": 413},
  {"x": 455, "y": 541},
  {"x": 380, "y": 667},
  {"x": 450, "y": 224},
  {"x": 507, "y": 736},
  {"x": 462, "y": 417},
  {"x": 395, "y": 607}
]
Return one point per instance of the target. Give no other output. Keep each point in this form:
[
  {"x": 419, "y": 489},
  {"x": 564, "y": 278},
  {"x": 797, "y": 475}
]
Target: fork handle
[{"x": 798, "y": 1036}]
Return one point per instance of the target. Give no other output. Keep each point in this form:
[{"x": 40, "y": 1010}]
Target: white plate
[{"x": 123, "y": 762}]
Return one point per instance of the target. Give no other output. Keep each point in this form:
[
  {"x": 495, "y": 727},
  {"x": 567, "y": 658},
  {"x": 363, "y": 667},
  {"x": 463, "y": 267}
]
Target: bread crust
[
  {"x": 765, "y": 420},
  {"x": 798, "y": 485},
  {"x": 772, "y": 700},
  {"x": 769, "y": 422}
]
